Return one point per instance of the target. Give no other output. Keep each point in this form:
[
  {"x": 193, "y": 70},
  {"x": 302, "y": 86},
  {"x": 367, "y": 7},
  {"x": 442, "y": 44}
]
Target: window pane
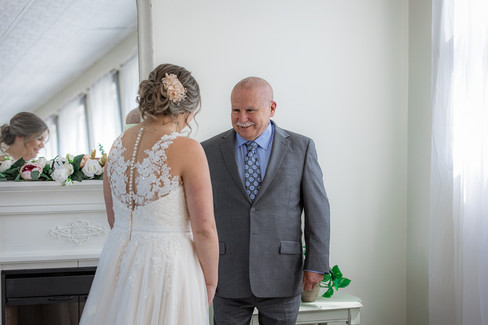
[
  {"x": 105, "y": 112},
  {"x": 51, "y": 146},
  {"x": 129, "y": 85},
  {"x": 73, "y": 132}
]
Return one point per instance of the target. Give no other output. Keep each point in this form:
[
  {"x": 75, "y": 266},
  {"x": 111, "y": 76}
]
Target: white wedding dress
[{"x": 148, "y": 271}]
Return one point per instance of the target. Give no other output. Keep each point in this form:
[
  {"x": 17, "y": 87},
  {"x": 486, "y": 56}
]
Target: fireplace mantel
[{"x": 44, "y": 223}]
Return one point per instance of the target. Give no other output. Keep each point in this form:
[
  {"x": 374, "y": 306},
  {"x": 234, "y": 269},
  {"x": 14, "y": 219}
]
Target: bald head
[{"x": 256, "y": 84}]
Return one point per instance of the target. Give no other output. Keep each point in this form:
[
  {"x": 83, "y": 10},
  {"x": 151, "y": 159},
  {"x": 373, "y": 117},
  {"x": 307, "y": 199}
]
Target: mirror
[{"x": 53, "y": 51}]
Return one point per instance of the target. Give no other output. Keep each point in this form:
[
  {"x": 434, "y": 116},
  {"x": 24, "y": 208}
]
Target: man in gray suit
[{"x": 263, "y": 178}]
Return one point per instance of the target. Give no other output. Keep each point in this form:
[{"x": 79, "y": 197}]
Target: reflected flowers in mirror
[{"x": 62, "y": 169}]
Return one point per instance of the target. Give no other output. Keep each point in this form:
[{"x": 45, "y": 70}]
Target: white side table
[{"x": 340, "y": 308}]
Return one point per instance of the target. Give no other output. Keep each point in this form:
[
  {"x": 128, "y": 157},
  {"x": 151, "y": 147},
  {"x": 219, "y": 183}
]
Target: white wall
[
  {"x": 340, "y": 74},
  {"x": 113, "y": 60},
  {"x": 419, "y": 153}
]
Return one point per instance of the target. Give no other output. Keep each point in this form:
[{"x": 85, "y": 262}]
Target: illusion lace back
[
  {"x": 148, "y": 271},
  {"x": 156, "y": 191}
]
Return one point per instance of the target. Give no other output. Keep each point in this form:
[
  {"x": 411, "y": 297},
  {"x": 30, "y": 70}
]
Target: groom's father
[{"x": 263, "y": 178}]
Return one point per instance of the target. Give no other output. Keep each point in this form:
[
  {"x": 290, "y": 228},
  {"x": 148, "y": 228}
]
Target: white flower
[
  {"x": 92, "y": 167},
  {"x": 60, "y": 175},
  {"x": 70, "y": 157},
  {"x": 70, "y": 168},
  {"x": 41, "y": 162},
  {"x": 62, "y": 171},
  {"x": 62, "y": 162},
  {"x": 4, "y": 165},
  {"x": 59, "y": 161}
]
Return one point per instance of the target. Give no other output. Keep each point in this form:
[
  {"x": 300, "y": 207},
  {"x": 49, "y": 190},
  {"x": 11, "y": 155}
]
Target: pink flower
[
  {"x": 83, "y": 160},
  {"x": 27, "y": 170}
]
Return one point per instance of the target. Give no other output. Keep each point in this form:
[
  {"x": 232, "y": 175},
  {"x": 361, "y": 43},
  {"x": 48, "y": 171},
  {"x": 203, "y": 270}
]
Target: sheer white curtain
[
  {"x": 129, "y": 85},
  {"x": 51, "y": 146},
  {"x": 72, "y": 128},
  {"x": 104, "y": 108},
  {"x": 458, "y": 266}
]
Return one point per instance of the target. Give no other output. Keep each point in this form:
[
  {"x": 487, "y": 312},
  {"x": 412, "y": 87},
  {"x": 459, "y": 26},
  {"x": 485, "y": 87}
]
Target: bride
[{"x": 159, "y": 263}]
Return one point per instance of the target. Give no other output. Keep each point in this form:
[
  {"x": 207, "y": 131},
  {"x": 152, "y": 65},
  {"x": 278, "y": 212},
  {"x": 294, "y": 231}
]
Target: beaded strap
[{"x": 132, "y": 166}]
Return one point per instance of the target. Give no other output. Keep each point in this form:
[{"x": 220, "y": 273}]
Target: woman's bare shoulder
[
  {"x": 187, "y": 144},
  {"x": 186, "y": 151}
]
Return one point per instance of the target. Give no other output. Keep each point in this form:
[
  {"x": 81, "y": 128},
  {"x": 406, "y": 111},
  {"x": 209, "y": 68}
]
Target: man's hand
[{"x": 310, "y": 279}]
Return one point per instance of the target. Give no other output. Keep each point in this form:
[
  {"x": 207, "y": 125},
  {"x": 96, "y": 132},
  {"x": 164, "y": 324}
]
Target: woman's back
[
  {"x": 156, "y": 199},
  {"x": 138, "y": 167}
]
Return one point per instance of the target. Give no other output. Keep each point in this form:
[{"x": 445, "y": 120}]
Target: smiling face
[
  {"x": 34, "y": 145},
  {"x": 252, "y": 108}
]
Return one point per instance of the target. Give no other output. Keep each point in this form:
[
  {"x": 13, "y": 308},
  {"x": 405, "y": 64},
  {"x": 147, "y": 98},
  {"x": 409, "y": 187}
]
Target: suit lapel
[
  {"x": 227, "y": 148},
  {"x": 278, "y": 151}
]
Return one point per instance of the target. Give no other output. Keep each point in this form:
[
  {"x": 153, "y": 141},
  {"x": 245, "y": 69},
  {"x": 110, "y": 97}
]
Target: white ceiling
[{"x": 46, "y": 44}]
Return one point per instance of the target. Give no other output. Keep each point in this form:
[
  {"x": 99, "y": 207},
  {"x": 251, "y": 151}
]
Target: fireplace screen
[{"x": 45, "y": 296}]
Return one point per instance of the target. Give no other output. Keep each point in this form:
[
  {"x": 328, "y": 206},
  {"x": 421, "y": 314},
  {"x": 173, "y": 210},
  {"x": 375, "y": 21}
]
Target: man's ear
[{"x": 273, "y": 108}]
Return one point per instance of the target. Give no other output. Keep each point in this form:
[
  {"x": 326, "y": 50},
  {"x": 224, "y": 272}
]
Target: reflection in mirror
[
  {"x": 58, "y": 52},
  {"x": 73, "y": 128}
]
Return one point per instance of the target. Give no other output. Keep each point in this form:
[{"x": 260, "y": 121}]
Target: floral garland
[{"x": 63, "y": 170}]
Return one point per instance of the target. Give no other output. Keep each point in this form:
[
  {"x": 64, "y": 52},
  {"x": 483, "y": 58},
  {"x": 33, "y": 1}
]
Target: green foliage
[
  {"x": 13, "y": 173},
  {"x": 333, "y": 280},
  {"x": 100, "y": 147},
  {"x": 77, "y": 173}
]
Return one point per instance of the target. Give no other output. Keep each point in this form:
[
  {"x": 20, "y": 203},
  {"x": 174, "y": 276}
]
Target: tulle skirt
[{"x": 147, "y": 279}]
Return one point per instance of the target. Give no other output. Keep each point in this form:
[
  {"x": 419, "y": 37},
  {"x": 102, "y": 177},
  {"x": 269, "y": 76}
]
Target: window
[
  {"x": 129, "y": 85},
  {"x": 73, "y": 128},
  {"x": 105, "y": 112},
  {"x": 96, "y": 118},
  {"x": 52, "y": 145}
]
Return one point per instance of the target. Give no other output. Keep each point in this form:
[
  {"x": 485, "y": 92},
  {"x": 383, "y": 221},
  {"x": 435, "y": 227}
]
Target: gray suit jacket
[{"x": 261, "y": 241}]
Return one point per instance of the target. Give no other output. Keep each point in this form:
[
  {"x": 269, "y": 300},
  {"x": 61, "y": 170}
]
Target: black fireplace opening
[{"x": 45, "y": 296}]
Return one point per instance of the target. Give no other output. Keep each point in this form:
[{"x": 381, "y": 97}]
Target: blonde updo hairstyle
[
  {"x": 23, "y": 124},
  {"x": 155, "y": 101}
]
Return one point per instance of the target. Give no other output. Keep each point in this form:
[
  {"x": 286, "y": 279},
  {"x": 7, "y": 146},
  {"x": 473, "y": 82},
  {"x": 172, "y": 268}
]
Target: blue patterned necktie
[{"x": 252, "y": 170}]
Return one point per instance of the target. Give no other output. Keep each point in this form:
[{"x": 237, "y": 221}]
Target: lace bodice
[
  {"x": 167, "y": 214},
  {"x": 159, "y": 200},
  {"x": 152, "y": 176}
]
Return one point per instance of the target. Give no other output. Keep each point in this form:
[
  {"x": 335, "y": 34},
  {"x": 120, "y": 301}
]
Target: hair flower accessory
[{"x": 175, "y": 90}]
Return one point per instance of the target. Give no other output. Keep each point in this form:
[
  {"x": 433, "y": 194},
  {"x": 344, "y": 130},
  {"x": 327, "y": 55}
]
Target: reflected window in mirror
[
  {"x": 105, "y": 111},
  {"x": 51, "y": 147},
  {"x": 97, "y": 116},
  {"x": 73, "y": 127},
  {"x": 129, "y": 85}
]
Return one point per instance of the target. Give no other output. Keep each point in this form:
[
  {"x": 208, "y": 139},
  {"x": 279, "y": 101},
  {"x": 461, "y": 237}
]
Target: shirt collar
[{"x": 264, "y": 140}]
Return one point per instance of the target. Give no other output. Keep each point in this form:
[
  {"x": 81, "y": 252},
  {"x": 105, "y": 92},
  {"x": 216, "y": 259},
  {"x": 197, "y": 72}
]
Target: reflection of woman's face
[{"x": 33, "y": 146}]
